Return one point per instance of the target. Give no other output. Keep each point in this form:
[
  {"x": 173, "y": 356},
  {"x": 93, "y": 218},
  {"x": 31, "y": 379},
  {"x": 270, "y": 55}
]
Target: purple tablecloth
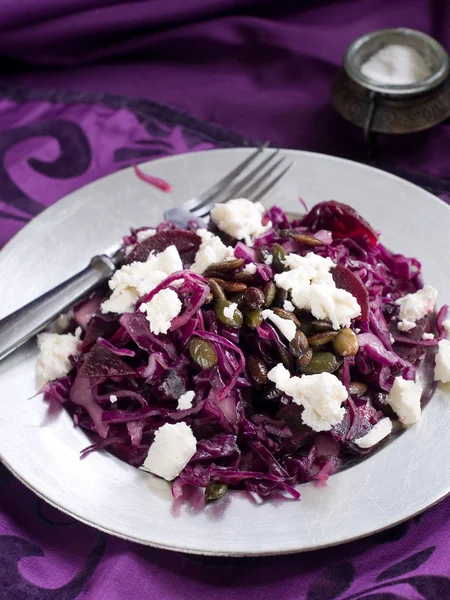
[{"x": 261, "y": 68}]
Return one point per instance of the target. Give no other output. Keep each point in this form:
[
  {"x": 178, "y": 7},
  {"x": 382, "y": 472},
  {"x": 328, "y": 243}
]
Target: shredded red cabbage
[{"x": 126, "y": 381}]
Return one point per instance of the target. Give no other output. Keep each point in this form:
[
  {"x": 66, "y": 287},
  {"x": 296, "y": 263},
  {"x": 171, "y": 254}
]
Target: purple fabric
[
  {"x": 262, "y": 68},
  {"x": 49, "y": 145}
]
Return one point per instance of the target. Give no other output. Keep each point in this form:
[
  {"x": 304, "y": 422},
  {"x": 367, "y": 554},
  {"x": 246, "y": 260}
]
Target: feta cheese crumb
[
  {"x": 442, "y": 367},
  {"x": 378, "y": 432},
  {"x": 143, "y": 235},
  {"x": 269, "y": 260},
  {"x": 212, "y": 250},
  {"x": 312, "y": 288},
  {"x": 285, "y": 326},
  {"x": 185, "y": 400},
  {"x": 133, "y": 281},
  {"x": 321, "y": 396},
  {"x": 162, "y": 308},
  {"x": 54, "y": 351},
  {"x": 228, "y": 311},
  {"x": 113, "y": 398},
  {"x": 240, "y": 218},
  {"x": 415, "y": 306},
  {"x": 446, "y": 326},
  {"x": 428, "y": 336},
  {"x": 250, "y": 268},
  {"x": 404, "y": 399},
  {"x": 172, "y": 449},
  {"x": 287, "y": 305}
]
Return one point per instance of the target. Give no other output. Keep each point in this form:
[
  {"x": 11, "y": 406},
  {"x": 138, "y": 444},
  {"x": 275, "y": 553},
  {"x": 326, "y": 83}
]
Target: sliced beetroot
[
  {"x": 292, "y": 416},
  {"x": 102, "y": 362},
  {"x": 100, "y": 325},
  {"x": 407, "y": 351},
  {"x": 342, "y": 220},
  {"x": 347, "y": 280},
  {"x": 186, "y": 242}
]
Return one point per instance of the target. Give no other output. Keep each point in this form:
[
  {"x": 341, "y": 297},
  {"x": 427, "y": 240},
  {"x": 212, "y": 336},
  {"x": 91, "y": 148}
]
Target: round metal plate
[{"x": 42, "y": 450}]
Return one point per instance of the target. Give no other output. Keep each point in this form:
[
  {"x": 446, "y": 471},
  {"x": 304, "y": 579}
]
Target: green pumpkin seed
[
  {"x": 225, "y": 266},
  {"x": 220, "y": 308},
  {"x": 269, "y": 293},
  {"x": 280, "y": 296},
  {"x": 257, "y": 370},
  {"x": 279, "y": 257},
  {"x": 321, "y": 362},
  {"x": 321, "y": 325},
  {"x": 299, "y": 345},
  {"x": 301, "y": 238},
  {"x": 215, "y": 490},
  {"x": 322, "y": 338},
  {"x": 346, "y": 342},
  {"x": 253, "y": 318},
  {"x": 203, "y": 353},
  {"x": 304, "y": 360}
]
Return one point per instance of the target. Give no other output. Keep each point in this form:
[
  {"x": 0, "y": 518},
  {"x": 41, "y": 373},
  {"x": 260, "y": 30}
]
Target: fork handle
[{"x": 18, "y": 327}]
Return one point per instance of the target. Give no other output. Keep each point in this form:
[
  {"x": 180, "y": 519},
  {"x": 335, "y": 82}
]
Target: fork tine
[
  {"x": 221, "y": 185},
  {"x": 264, "y": 177},
  {"x": 269, "y": 186},
  {"x": 234, "y": 191}
]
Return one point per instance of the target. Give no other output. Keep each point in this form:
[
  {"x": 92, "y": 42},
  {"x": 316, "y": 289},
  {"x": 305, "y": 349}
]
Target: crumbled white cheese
[
  {"x": 212, "y": 250},
  {"x": 113, "y": 398},
  {"x": 145, "y": 234},
  {"x": 446, "y": 326},
  {"x": 428, "y": 336},
  {"x": 172, "y": 449},
  {"x": 162, "y": 308},
  {"x": 404, "y": 399},
  {"x": 269, "y": 260},
  {"x": 133, "y": 281},
  {"x": 442, "y": 367},
  {"x": 285, "y": 326},
  {"x": 287, "y": 305},
  {"x": 378, "y": 432},
  {"x": 415, "y": 306},
  {"x": 250, "y": 268},
  {"x": 321, "y": 396},
  {"x": 185, "y": 400},
  {"x": 240, "y": 218},
  {"x": 228, "y": 311},
  {"x": 312, "y": 288},
  {"x": 54, "y": 351}
]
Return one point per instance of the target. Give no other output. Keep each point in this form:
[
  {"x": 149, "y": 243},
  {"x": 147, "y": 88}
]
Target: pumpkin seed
[
  {"x": 279, "y": 257},
  {"x": 357, "y": 388},
  {"x": 215, "y": 490},
  {"x": 203, "y": 353},
  {"x": 269, "y": 293},
  {"x": 257, "y": 370},
  {"x": 299, "y": 345},
  {"x": 321, "y": 362},
  {"x": 322, "y": 338},
  {"x": 254, "y": 298},
  {"x": 346, "y": 342}
]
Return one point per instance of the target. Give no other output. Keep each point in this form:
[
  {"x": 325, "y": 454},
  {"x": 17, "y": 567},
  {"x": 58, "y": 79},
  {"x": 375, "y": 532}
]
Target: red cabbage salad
[{"x": 256, "y": 354}]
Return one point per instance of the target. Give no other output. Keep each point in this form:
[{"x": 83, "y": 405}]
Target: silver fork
[
  {"x": 249, "y": 186},
  {"x": 18, "y": 327}
]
